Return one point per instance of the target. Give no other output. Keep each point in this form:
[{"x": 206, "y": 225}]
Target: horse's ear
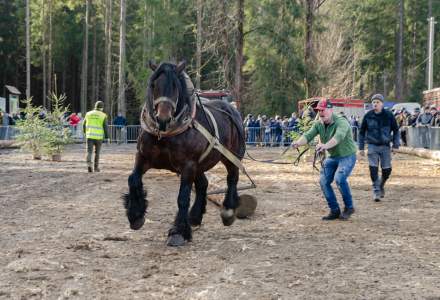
[
  {"x": 152, "y": 65},
  {"x": 181, "y": 66}
]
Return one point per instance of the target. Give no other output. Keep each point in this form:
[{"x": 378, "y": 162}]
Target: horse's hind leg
[
  {"x": 231, "y": 198},
  {"x": 135, "y": 202},
  {"x": 199, "y": 206}
]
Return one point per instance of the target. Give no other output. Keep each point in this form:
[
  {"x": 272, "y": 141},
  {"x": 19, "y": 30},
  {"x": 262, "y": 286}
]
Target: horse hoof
[
  {"x": 247, "y": 205},
  {"x": 228, "y": 216},
  {"x": 175, "y": 240},
  {"x": 137, "y": 224}
]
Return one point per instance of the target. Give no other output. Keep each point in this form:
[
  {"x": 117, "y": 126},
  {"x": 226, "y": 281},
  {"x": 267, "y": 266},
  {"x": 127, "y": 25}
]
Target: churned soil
[{"x": 64, "y": 234}]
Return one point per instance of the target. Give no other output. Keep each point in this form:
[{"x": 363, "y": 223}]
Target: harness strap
[
  {"x": 212, "y": 139},
  {"x": 224, "y": 151}
]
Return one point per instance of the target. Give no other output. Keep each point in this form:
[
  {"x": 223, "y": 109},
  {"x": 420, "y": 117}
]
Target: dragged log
[{"x": 425, "y": 153}]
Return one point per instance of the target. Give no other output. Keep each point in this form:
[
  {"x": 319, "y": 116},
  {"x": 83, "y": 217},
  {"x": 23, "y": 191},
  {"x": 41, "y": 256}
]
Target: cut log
[{"x": 425, "y": 153}]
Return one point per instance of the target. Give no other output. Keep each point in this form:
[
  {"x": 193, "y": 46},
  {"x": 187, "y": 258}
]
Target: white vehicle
[{"x": 409, "y": 106}]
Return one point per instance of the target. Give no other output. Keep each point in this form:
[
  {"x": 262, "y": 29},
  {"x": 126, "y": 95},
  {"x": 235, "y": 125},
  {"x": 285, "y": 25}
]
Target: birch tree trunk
[
  {"x": 399, "y": 53},
  {"x": 94, "y": 98},
  {"x": 85, "y": 54},
  {"x": 121, "y": 93},
  {"x": 43, "y": 21},
  {"x": 49, "y": 60},
  {"x": 28, "y": 52},
  {"x": 108, "y": 61}
]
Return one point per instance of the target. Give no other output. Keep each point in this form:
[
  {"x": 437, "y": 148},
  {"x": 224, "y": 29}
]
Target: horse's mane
[{"x": 169, "y": 70}]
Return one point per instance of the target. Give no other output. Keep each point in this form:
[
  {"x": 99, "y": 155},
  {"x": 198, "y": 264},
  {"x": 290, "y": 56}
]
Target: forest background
[{"x": 268, "y": 53}]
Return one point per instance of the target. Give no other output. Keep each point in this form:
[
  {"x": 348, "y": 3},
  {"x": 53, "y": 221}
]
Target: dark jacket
[
  {"x": 379, "y": 129},
  {"x": 120, "y": 121}
]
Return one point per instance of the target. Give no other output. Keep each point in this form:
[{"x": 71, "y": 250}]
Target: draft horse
[{"x": 170, "y": 141}]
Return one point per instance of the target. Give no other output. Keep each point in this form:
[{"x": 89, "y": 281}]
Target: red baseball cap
[{"x": 323, "y": 104}]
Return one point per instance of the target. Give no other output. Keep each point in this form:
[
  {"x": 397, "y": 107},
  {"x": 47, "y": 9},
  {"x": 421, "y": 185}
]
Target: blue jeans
[{"x": 338, "y": 169}]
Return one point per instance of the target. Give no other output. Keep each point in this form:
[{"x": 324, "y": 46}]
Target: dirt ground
[{"x": 64, "y": 235}]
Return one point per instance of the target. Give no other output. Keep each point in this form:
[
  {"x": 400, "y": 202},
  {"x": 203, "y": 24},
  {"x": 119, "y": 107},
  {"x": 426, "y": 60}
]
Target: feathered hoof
[
  {"x": 228, "y": 216},
  {"x": 175, "y": 240},
  {"x": 137, "y": 224},
  {"x": 247, "y": 205}
]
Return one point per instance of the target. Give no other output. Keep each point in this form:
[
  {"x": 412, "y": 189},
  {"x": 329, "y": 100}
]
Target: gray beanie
[{"x": 377, "y": 97}]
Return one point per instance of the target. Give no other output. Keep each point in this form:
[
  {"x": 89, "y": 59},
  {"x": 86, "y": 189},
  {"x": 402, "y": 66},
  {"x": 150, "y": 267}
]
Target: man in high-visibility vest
[{"x": 95, "y": 129}]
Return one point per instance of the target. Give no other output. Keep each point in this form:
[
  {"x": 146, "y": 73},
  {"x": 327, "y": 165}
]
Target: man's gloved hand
[
  {"x": 321, "y": 147},
  {"x": 294, "y": 145}
]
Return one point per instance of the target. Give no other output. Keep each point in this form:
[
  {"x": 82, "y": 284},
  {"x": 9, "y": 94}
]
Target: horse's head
[{"x": 166, "y": 91}]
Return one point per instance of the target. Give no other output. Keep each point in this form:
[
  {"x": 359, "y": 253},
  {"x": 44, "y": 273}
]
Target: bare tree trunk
[
  {"x": 28, "y": 52},
  {"x": 121, "y": 94},
  {"x": 49, "y": 60},
  {"x": 308, "y": 47},
  {"x": 85, "y": 54},
  {"x": 145, "y": 35},
  {"x": 94, "y": 98},
  {"x": 239, "y": 54},
  {"x": 199, "y": 44},
  {"x": 98, "y": 93},
  {"x": 108, "y": 62},
  {"x": 43, "y": 21},
  {"x": 225, "y": 38},
  {"x": 399, "y": 54}
]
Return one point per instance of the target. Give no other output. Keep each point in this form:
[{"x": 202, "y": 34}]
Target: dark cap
[
  {"x": 377, "y": 97},
  {"x": 99, "y": 105},
  {"x": 323, "y": 104}
]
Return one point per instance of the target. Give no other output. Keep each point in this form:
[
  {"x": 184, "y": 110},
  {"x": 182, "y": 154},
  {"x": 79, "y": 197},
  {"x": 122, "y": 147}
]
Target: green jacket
[{"x": 339, "y": 129}]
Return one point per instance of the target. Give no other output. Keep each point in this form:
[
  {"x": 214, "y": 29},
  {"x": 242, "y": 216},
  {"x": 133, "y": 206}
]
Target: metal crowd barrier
[
  {"x": 272, "y": 137},
  {"x": 8, "y": 132},
  {"x": 124, "y": 134},
  {"x": 423, "y": 137}
]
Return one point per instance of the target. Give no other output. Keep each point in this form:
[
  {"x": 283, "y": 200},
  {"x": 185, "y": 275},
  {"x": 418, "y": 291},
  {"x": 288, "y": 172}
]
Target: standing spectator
[
  {"x": 293, "y": 122},
  {"x": 378, "y": 129},
  {"x": 73, "y": 122},
  {"x": 436, "y": 120},
  {"x": 95, "y": 129},
  {"x": 120, "y": 123},
  {"x": 412, "y": 120},
  {"x": 5, "y": 126},
  {"x": 335, "y": 135},
  {"x": 424, "y": 122},
  {"x": 425, "y": 118},
  {"x": 278, "y": 130},
  {"x": 354, "y": 127},
  {"x": 401, "y": 121},
  {"x": 265, "y": 127},
  {"x": 434, "y": 114}
]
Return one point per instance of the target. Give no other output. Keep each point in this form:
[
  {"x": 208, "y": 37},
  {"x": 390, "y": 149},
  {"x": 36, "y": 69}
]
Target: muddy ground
[{"x": 64, "y": 235}]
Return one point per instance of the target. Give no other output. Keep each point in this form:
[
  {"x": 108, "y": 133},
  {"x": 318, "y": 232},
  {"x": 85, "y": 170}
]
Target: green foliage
[
  {"x": 56, "y": 136},
  {"x": 32, "y": 130},
  {"x": 41, "y": 132}
]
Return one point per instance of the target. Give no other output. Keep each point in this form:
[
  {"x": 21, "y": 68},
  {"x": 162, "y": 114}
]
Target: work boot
[
  {"x": 376, "y": 196},
  {"x": 333, "y": 215},
  {"x": 97, "y": 169},
  {"x": 382, "y": 190},
  {"x": 346, "y": 213},
  {"x": 90, "y": 169}
]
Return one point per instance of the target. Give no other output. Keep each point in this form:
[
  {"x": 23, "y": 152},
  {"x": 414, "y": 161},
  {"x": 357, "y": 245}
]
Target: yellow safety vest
[{"x": 95, "y": 125}]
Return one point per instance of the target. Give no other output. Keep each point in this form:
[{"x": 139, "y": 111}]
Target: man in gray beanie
[
  {"x": 378, "y": 129},
  {"x": 95, "y": 129}
]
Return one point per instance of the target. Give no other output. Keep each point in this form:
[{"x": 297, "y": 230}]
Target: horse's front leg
[
  {"x": 135, "y": 202},
  {"x": 181, "y": 230},
  {"x": 230, "y": 203}
]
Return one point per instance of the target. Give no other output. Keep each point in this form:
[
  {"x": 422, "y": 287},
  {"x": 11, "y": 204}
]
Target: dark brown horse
[{"x": 169, "y": 141}]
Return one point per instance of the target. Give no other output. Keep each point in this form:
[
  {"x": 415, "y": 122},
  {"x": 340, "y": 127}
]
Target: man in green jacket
[
  {"x": 95, "y": 129},
  {"x": 335, "y": 137}
]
